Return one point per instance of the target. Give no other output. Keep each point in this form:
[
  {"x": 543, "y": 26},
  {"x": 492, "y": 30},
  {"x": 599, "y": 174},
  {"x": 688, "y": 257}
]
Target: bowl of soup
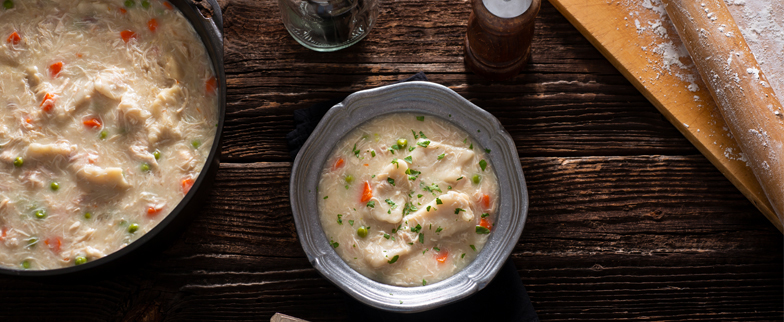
[
  {"x": 408, "y": 196},
  {"x": 111, "y": 126}
]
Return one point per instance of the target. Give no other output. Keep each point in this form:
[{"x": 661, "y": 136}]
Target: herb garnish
[
  {"x": 441, "y": 156},
  {"x": 421, "y": 238},
  {"x": 351, "y": 222},
  {"x": 340, "y": 221},
  {"x": 487, "y": 150},
  {"x": 409, "y": 159},
  {"x": 397, "y": 165},
  {"x": 386, "y": 236},
  {"x": 482, "y": 230},
  {"x": 472, "y": 247},
  {"x": 437, "y": 249},
  {"x": 334, "y": 243},
  {"x": 438, "y": 201},
  {"x": 393, "y": 260},
  {"x": 458, "y": 210},
  {"x": 420, "y": 118},
  {"x": 371, "y": 204},
  {"x": 483, "y": 164},
  {"x": 423, "y": 144},
  {"x": 439, "y": 229},
  {"x": 416, "y": 229},
  {"x": 391, "y": 181}
]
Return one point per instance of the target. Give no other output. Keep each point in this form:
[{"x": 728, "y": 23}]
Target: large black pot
[{"x": 210, "y": 31}]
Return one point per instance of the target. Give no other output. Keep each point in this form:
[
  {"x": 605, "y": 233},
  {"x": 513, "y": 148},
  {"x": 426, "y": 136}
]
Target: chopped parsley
[
  {"x": 392, "y": 261},
  {"x": 423, "y": 144},
  {"x": 487, "y": 150},
  {"x": 340, "y": 221},
  {"x": 458, "y": 210},
  {"x": 409, "y": 209},
  {"x": 409, "y": 159},
  {"x": 325, "y": 197},
  {"x": 351, "y": 222},
  {"x": 421, "y": 238},
  {"x": 424, "y": 282},
  {"x": 371, "y": 204},
  {"x": 437, "y": 249},
  {"x": 419, "y": 195},
  {"x": 391, "y": 181},
  {"x": 483, "y": 164},
  {"x": 416, "y": 229},
  {"x": 412, "y": 175},
  {"x": 441, "y": 156},
  {"x": 449, "y": 187},
  {"x": 485, "y": 215},
  {"x": 482, "y": 230},
  {"x": 356, "y": 152},
  {"x": 390, "y": 202},
  {"x": 397, "y": 165},
  {"x": 423, "y": 252},
  {"x": 421, "y": 118},
  {"x": 428, "y": 208},
  {"x": 471, "y": 147},
  {"x": 439, "y": 229},
  {"x": 373, "y": 176},
  {"x": 432, "y": 188},
  {"x": 373, "y": 153},
  {"x": 422, "y": 135},
  {"x": 411, "y": 148},
  {"x": 458, "y": 179},
  {"x": 334, "y": 243},
  {"x": 386, "y": 236},
  {"x": 438, "y": 201},
  {"x": 472, "y": 247},
  {"x": 462, "y": 256},
  {"x": 415, "y": 135}
]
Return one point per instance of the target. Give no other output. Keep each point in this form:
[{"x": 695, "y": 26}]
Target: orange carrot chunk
[
  {"x": 442, "y": 255},
  {"x": 152, "y": 211},
  {"x": 186, "y": 185},
  {"x": 92, "y": 122},
  {"x": 486, "y": 201},
  {"x": 54, "y": 69},
  {"x": 127, "y": 35},
  {"x": 123, "y": 11},
  {"x": 48, "y": 103},
  {"x": 211, "y": 85},
  {"x": 152, "y": 25},
  {"x": 168, "y": 5},
  {"x": 485, "y": 223},
  {"x": 338, "y": 164},
  {"x": 14, "y": 38},
  {"x": 367, "y": 193},
  {"x": 54, "y": 244}
]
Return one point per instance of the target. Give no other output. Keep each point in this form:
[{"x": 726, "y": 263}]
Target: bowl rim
[
  {"x": 212, "y": 39},
  {"x": 426, "y": 98}
]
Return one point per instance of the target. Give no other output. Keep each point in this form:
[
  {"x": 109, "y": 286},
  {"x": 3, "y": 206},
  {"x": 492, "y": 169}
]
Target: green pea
[
  {"x": 130, "y": 3},
  {"x": 196, "y": 144},
  {"x": 349, "y": 178},
  {"x": 362, "y": 232},
  {"x": 18, "y": 162},
  {"x": 32, "y": 241},
  {"x": 146, "y": 4},
  {"x": 145, "y": 166},
  {"x": 104, "y": 133},
  {"x": 476, "y": 178},
  {"x": 87, "y": 215},
  {"x": 40, "y": 214},
  {"x": 79, "y": 260},
  {"x": 54, "y": 186},
  {"x": 26, "y": 264},
  {"x": 8, "y": 4},
  {"x": 157, "y": 155},
  {"x": 402, "y": 143},
  {"x": 133, "y": 228}
]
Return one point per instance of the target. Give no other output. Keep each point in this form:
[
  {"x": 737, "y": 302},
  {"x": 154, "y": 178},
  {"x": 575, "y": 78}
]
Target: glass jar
[{"x": 328, "y": 25}]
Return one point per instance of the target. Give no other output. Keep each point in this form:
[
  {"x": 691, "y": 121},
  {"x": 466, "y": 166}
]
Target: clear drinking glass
[{"x": 328, "y": 25}]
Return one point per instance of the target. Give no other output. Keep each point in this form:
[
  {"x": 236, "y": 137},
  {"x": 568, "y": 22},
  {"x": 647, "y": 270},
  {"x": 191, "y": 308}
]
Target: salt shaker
[{"x": 498, "y": 41}]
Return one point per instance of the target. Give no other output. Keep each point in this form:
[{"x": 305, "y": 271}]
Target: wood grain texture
[
  {"x": 605, "y": 239},
  {"x": 627, "y": 220}
]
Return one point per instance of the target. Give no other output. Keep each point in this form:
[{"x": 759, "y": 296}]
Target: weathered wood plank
[
  {"x": 604, "y": 240},
  {"x": 569, "y": 102}
]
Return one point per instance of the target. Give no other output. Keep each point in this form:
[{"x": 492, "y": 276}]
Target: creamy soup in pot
[
  {"x": 108, "y": 111},
  {"x": 407, "y": 199}
]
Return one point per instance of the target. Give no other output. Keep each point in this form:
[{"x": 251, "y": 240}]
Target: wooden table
[{"x": 627, "y": 219}]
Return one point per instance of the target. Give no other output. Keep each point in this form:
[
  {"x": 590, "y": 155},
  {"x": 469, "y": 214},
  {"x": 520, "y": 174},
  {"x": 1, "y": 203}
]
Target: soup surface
[
  {"x": 407, "y": 199},
  {"x": 108, "y": 111}
]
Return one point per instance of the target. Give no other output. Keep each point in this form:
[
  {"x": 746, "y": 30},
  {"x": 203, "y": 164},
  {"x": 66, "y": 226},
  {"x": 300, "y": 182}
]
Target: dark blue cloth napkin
[{"x": 504, "y": 299}]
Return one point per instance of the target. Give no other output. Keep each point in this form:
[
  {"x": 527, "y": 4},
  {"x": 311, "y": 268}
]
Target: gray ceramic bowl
[{"x": 424, "y": 98}]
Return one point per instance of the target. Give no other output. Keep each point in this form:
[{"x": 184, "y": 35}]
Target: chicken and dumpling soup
[
  {"x": 108, "y": 112},
  {"x": 407, "y": 199}
]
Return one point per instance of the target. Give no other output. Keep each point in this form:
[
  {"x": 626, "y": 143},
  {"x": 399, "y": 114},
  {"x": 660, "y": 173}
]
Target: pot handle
[{"x": 217, "y": 16}]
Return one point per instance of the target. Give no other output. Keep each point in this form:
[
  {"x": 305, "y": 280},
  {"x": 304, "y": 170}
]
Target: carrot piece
[
  {"x": 211, "y": 85},
  {"x": 54, "y": 69},
  {"x": 367, "y": 165},
  {"x": 54, "y": 243},
  {"x": 367, "y": 193},
  {"x": 152, "y": 211},
  {"x": 339, "y": 163},
  {"x": 168, "y": 5},
  {"x": 186, "y": 185},
  {"x": 92, "y": 122},
  {"x": 48, "y": 103},
  {"x": 127, "y": 35},
  {"x": 486, "y": 201},
  {"x": 3, "y": 233},
  {"x": 152, "y": 25},
  {"x": 14, "y": 38},
  {"x": 442, "y": 255},
  {"x": 485, "y": 223},
  {"x": 123, "y": 11}
]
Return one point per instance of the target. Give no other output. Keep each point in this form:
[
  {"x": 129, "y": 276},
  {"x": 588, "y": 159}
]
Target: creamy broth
[
  {"x": 108, "y": 111},
  {"x": 407, "y": 199}
]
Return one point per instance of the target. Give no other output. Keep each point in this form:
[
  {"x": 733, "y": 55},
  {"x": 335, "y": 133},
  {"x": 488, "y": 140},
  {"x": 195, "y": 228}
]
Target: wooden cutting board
[{"x": 638, "y": 39}]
